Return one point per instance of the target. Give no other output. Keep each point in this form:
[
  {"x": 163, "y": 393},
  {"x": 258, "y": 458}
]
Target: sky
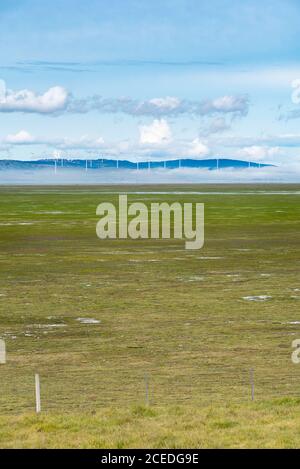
[{"x": 150, "y": 80}]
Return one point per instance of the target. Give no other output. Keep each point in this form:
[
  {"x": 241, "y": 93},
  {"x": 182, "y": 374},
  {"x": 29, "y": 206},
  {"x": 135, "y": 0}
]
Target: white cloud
[
  {"x": 20, "y": 138},
  {"x": 163, "y": 106},
  {"x": 53, "y": 100},
  {"x": 217, "y": 125},
  {"x": 168, "y": 103},
  {"x": 235, "y": 105},
  {"x": 197, "y": 148},
  {"x": 157, "y": 133},
  {"x": 226, "y": 103},
  {"x": 58, "y": 99},
  {"x": 257, "y": 152},
  {"x": 84, "y": 142},
  {"x": 289, "y": 173},
  {"x": 295, "y": 98},
  {"x": 23, "y": 137},
  {"x": 296, "y": 91}
]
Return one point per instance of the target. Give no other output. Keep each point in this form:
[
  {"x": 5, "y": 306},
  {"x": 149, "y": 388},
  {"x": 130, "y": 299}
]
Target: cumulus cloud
[
  {"x": 197, "y": 148},
  {"x": 225, "y": 104},
  {"x": 57, "y": 99},
  {"x": 23, "y": 137},
  {"x": 217, "y": 125},
  {"x": 53, "y": 100},
  {"x": 295, "y": 98},
  {"x": 259, "y": 153},
  {"x": 169, "y": 103},
  {"x": 157, "y": 133},
  {"x": 20, "y": 138},
  {"x": 236, "y": 106},
  {"x": 296, "y": 91}
]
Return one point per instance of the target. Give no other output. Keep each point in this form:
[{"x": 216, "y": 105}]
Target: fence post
[
  {"x": 2, "y": 352},
  {"x": 252, "y": 383},
  {"x": 37, "y": 393},
  {"x": 147, "y": 389}
]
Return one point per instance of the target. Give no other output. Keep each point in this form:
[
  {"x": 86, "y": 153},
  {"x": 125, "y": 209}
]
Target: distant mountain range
[{"x": 211, "y": 164}]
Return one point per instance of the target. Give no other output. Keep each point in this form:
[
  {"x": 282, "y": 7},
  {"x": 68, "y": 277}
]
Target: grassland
[
  {"x": 177, "y": 316},
  {"x": 270, "y": 424}
]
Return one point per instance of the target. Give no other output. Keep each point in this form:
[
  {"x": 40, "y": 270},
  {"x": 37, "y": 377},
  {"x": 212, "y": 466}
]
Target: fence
[{"x": 61, "y": 388}]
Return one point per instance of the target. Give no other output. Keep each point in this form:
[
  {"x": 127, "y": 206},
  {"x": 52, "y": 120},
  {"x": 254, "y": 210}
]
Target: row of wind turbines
[{"x": 59, "y": 162}]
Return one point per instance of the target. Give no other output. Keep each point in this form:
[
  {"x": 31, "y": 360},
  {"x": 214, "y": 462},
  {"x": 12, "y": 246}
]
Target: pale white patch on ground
[
  {"x": 9, "y": 335},
  {"x": 210, "y": 257},
  {"x": 52, "y": 213},
  {"x": 265, "y": 275},
  {"x": 257, "y": 298},
  {"x": 41, "y": 326},
  {"x": 88, "y": 321},
  {"x": 195, "y": 278}
]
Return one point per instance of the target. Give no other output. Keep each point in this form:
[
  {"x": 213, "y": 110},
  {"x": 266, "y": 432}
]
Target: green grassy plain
[
  {"x": 267, "y": 424},
  {"x": 177, "y": 316}
]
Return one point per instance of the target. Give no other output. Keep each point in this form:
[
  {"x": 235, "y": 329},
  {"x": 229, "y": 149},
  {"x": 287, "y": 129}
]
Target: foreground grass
[{"x": 272, "y": 424}]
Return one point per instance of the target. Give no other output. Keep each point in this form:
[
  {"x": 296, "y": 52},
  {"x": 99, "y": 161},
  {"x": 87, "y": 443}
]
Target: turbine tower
[{"x": 56, "y": 155}]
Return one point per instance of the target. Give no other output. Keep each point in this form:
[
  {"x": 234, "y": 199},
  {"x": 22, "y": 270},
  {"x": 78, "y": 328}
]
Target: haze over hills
[{"x": 102, "y": 163}]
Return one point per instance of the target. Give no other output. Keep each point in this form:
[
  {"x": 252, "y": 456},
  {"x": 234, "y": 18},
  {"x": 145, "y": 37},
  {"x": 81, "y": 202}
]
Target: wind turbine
[{"x": 56, "y": 155}]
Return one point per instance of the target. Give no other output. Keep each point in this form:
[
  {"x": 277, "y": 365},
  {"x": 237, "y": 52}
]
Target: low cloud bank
[{"x": 287, "y": 173}]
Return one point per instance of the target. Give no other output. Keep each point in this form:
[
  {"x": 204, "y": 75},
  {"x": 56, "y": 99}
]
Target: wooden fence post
[
  {"x": 37, "y": 393},
  {"x": 2, "y": 352}
]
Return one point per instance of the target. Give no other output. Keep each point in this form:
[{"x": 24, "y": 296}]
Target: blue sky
[{"x": 152, "y": 79}]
